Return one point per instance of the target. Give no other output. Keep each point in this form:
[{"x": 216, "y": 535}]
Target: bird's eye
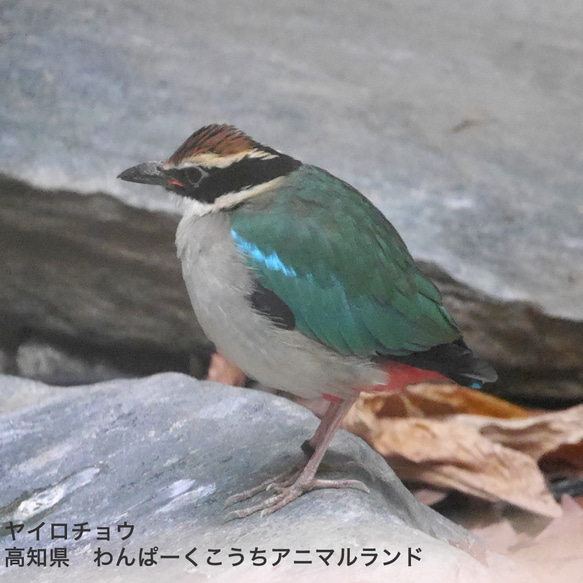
[
  {"x": 192, "y": 176},
  {"x": 182, "y": 180}
]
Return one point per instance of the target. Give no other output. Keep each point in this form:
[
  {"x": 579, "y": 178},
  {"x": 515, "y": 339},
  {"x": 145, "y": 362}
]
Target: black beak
[{"x": 146, "y": 173}]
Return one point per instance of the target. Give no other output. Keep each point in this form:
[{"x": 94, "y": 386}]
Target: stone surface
[
  {"x": 42, "y": 361},
  {"x": 163, "y": 453},
  {"x": 110, "y": 295},
  {"x": 92, "y": 267},
  {"x": 539, "y": 358},
  {"x": 97, "y": 277},
  {"x": 462, "y": 121},
  {"x": 18, "y": 393},
  {"x": 4, "y": 362}
]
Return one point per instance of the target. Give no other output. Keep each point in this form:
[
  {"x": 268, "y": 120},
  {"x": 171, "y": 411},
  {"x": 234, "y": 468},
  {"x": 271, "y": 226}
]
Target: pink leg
[
  {"x": 309, "y": 446},
  {"x": 292, "y": 485}
]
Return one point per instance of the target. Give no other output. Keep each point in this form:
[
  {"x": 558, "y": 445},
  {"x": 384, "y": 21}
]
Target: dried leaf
[
  {"x": 451, "y": 436},
  {"x": 223, "y": 371},
  {"x": 429, "y": 496},
  {"x": 538, "y": 434},
  {"x": 450, "y": 453},
  {"x": 436, "y": 399}
]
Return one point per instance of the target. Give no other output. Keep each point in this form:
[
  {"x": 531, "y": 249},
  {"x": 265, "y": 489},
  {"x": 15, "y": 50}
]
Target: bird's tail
[{"x": 445, "y": 363}]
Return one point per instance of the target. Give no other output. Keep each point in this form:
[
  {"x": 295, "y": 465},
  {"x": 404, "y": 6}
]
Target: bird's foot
[
  {"x": 288, "y": 487},
  {"x": 282, "y": 480}
]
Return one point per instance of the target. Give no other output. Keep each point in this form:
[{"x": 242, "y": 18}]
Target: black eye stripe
[
  {"x": 209, "y": 183},
  {"x": 189, "y": 176}
]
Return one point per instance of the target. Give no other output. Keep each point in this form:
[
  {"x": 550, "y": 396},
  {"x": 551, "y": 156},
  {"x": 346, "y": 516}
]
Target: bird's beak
[{"x": 146, "y": 173}]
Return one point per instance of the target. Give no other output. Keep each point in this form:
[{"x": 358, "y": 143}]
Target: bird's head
[{"x": 215, "y": 161}]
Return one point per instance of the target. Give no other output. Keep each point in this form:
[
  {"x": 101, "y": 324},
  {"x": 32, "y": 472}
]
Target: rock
[
  {"x": 96, "y": 274},
  {"x": 45, "y": 362},
  {"x": 73, "y": 264},
  {"x": 461, "y": 125},
  {"x": 163, "y": 453},
  {"x": 539, "y": 358},
  {"x": 4, "y": 362},
  {"x": 17, "y": 393},
  {"x": 465, "y": 140}
]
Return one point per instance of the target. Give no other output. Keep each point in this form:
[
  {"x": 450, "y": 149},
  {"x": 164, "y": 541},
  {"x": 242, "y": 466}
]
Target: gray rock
[
  {"x": 17, "y": 393},
  {"x": 163, "y": 453},
  {"x": 4, "y": 362},
  {"x": 45, "y": 362},
  {"x": 113, "y": 286},
  {"x": 461, "y": 121},
  {"x": 92, "y": 268}
]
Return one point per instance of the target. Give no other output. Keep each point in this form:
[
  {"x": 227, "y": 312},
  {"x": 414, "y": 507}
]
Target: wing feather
[{"x": 341, "y": 267}]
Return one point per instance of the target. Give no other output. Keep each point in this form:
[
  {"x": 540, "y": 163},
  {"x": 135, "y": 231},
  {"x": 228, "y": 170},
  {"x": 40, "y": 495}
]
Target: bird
[{"x": 304, "y": 284}]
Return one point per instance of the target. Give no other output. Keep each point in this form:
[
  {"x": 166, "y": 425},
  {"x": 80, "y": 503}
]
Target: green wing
[{"x": 341, "y": 267}]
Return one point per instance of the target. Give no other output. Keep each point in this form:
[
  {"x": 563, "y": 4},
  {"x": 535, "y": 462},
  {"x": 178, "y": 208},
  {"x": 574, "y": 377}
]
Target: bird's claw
[
  {"x": 276, "y": 483},
  {"x": 289, "y": 492}
]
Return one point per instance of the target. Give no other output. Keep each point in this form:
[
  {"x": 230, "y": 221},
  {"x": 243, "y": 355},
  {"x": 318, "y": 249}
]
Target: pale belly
[{"x": 219, "y": 284}]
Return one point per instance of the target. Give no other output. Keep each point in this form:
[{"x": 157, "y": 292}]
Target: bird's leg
[
  {"x": 292, "y": 485},
  {"x": 309, "y": 446},
  {"x": 287, "y": 478}
]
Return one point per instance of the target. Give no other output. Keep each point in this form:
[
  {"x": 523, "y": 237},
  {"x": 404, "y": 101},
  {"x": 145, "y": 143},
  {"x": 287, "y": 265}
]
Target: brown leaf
[
  {"x": 223, "y": 371},
  {"x": 450, "y": 436},
  {"x": 429, "y": 496},
  {"x": 436, "y": 399},
  {"x": 450, "y": 453},
  {"x": 538, "y": 434}
]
